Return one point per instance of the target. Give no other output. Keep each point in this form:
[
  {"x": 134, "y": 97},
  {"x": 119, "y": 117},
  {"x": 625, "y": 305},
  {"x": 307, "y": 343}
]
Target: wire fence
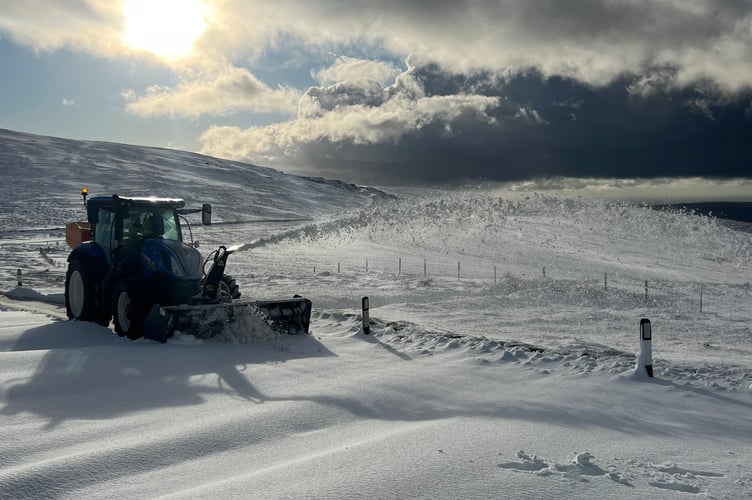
[
  {"x": 44, "y": 264},
  {"x": 651, "y": 290}
]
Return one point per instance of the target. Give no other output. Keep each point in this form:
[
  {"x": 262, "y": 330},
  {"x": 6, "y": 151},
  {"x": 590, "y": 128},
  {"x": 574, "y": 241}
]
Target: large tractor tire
[
  {"x": 80, "y": 290},
  {"x": 229, "y": 289},
  {"x": 128, "y": 314}
]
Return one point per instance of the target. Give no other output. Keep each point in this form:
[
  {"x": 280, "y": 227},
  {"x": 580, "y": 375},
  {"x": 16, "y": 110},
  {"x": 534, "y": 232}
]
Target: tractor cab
[
  {"x": 114, "y": 221},
  {"x": 117, "y": 222}
]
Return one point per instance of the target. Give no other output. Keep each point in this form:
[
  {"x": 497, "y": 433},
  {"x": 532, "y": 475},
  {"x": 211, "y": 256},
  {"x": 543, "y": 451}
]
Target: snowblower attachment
[
  {"x": 240, "y": 320},
  {"x": 216, "y": 312}
]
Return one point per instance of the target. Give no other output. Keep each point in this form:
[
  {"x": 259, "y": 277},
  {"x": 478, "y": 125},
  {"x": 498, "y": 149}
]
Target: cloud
[
  {"x": 592, "y": 41},
  {"x": 434, "y": 126},
  {"x": 47, "y": 25},
  {"x": 352, "y": 94},
  {"x": 68, "y": 103},
  {"x": 350, "y": 68},
  {"x": 530, "y": 116},
  {"x": 354, "y": 113},
  {"x": 661, "y": 189},
  {"x": 227, "y": 91},
  {"x": 653, "y": 81}
]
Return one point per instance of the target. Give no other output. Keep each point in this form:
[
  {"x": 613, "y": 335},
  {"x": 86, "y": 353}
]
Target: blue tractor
[{"x": 130, "y": 265}]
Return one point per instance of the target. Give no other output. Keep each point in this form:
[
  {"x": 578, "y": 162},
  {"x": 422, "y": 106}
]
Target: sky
[{"x": 399, "y": 93}]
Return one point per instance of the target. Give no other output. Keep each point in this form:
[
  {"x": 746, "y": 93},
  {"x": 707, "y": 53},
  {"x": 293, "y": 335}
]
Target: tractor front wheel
[
  {"x": 128, "y": 314},
  {"x": 229, "y": 289}
]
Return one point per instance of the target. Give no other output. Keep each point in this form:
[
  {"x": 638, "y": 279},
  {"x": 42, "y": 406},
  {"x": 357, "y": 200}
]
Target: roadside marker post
[{"x": 645, "y": 359}]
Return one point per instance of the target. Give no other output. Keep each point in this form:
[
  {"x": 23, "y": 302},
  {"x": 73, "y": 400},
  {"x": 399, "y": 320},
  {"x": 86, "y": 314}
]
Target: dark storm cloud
[
  {"x": 532, "y": 127},
  {"x": 520, "y": 89}
]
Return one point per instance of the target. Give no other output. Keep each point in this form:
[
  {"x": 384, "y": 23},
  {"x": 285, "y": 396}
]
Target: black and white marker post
[
  {"x": 366, "y": 319},
  {"x": 646, "y": 348}
]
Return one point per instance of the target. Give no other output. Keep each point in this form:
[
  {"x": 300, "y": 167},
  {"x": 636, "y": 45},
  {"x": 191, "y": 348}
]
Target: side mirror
[
  {"x": 206, "y": 213},
  {"x": 195, "y": 244}
]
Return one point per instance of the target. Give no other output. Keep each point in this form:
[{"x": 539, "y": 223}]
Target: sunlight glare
[{"x": 167, "y": 28}]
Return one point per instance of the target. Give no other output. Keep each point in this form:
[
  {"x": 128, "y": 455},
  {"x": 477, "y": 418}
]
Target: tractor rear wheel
[
  {"x": 79, "y": 292},
  {"x": 128, "y": 314}
]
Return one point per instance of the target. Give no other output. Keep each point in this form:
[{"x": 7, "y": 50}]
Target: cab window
[{"x": 151, "y": 223}]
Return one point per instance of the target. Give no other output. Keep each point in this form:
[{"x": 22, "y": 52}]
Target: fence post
[
  {"x": 701, "y": 287},
  {"x": 338, "y": 268},
  {"x": 20, "y": 280},
  {"x": 425, "y": 268},
  {"x": 544, "y": 272},
  {"x": 366, "y": 265},
  {"x": 646, "y": 292},
  {"x": 494, "y": 274},
  {"x": 399, "y": 268},
  {"x": 458, "y": 271},
  {"x": 366, "y": 318},
  {"x": 605, "y": 281}
]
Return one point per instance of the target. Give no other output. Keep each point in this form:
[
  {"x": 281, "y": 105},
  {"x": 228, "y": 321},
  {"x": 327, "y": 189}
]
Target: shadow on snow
[{"x": 89, "y": 373}]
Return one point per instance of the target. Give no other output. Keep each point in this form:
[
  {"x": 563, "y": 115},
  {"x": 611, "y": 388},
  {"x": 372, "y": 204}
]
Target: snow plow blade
[{"x": 240, "y": 320}]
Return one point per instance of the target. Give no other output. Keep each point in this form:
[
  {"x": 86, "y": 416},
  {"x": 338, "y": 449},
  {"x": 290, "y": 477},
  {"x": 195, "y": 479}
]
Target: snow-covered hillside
[
  {"x": 501, "y": 362},
  {"x": 43, "y": 176}
]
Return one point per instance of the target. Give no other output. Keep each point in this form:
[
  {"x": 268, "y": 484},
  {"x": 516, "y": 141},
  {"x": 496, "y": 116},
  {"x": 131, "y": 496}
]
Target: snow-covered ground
[{"x": 501, "y": 360}]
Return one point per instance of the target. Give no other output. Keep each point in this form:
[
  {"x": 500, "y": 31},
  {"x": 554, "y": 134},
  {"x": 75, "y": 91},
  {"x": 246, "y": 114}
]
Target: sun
[{"x": 167, "y": 28}]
